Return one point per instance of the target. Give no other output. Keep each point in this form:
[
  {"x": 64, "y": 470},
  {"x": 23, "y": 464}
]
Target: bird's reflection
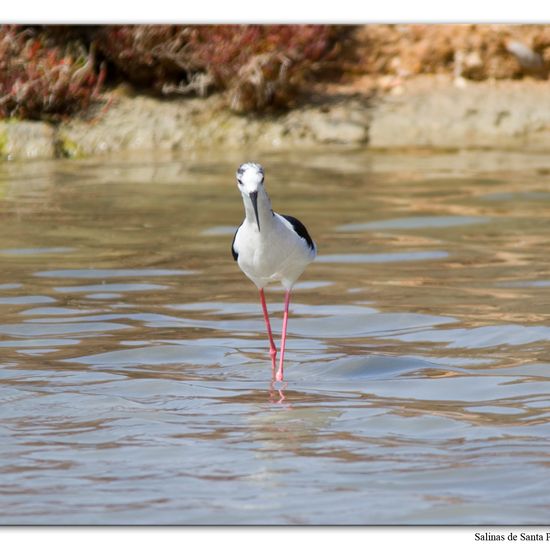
[{"x": 276, "y": 394}]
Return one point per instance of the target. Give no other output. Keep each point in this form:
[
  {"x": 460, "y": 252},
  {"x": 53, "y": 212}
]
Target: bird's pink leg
[
  {"x": 272, "y": 348},
  {"x": 280, "y": 373}
]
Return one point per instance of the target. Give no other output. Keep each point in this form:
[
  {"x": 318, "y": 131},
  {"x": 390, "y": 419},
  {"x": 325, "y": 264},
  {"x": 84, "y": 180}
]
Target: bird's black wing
[
  {"x": 233, "y": 251},
  {"x": 300, "y": 229}
]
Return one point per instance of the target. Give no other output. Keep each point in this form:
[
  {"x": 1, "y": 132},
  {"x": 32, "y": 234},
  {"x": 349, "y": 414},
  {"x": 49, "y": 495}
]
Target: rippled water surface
[{"x": 135, "y": 375}]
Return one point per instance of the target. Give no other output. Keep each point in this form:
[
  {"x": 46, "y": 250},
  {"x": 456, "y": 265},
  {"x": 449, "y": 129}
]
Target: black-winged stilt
[{"x": 269, "y": 247}]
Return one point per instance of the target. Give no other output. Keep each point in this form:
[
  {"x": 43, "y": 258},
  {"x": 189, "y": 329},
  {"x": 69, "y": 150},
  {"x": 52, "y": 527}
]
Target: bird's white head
[{"x": 250, "y": 177}]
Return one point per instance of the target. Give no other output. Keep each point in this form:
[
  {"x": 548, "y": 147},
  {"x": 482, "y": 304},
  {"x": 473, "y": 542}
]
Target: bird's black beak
[{"x": 254, "y": 198}]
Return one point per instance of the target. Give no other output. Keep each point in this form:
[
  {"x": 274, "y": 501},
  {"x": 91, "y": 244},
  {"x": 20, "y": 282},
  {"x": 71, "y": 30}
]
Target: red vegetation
[
  {"x": 259, "y": 66},
  {"x": 39, "y": 79},
  {"x": 51, "y": 71}
]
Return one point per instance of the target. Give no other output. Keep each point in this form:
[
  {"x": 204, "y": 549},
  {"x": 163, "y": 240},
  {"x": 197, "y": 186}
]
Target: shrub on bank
[
  {"x": 40, "y": 79},
  {"x": 257, "y": 66},
  {"x": 50, "y": 71}
]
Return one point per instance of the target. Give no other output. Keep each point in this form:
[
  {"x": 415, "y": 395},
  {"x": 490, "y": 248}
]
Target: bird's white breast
[{"x": 276, "y": 253}]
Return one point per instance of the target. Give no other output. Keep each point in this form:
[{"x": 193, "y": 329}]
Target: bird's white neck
[{"x": 265, "y": 213}]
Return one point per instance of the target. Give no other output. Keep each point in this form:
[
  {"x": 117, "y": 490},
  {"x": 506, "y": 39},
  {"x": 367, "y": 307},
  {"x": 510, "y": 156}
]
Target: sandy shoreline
[{"x": 424, "y": 112}]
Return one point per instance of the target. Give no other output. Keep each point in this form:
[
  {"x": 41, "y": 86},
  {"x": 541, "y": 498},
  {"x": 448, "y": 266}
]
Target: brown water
[{"x": 135, "y": 375}]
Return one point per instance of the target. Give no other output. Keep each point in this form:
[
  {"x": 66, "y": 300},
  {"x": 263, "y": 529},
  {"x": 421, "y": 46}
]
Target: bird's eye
[{"x": 239, "y": 181}]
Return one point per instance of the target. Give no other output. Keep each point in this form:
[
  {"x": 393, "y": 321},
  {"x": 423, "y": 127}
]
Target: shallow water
[{"x": 135, "y": 375}]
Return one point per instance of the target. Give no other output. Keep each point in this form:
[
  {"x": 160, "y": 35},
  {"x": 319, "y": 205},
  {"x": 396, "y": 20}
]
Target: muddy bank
[
  {"x": 434, "y": 112},
  {"x": 443, "y": 114}
]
